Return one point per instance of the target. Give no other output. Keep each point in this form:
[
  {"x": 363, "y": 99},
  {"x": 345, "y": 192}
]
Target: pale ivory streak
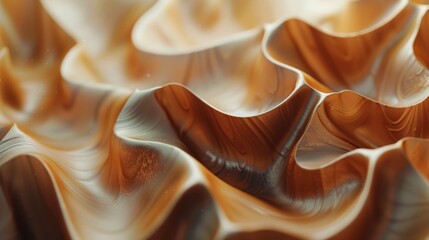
[{"x": 214, "y": 119}]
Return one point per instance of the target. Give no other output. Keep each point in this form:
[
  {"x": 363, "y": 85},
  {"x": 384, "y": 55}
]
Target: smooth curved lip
[
  {"x": 270, "y": 28},
  {"x": 365, "y": 152},
  {"x": 379, "y": 24},
  {"x": 299, "y": 80},
  {"x": 36, "y": 154},
  {"x": 274, "y": 27},
  {"x": 68, "y": 59},
  {"x": 145, "y": 19},
  {"x": 185, "y": 51},
  {"x": 396, "y": 145},
  {"x": 298, "y": 84}
]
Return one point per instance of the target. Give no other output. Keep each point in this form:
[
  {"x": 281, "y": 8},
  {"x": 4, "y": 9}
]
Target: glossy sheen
[{"x": 214, "y": 119}]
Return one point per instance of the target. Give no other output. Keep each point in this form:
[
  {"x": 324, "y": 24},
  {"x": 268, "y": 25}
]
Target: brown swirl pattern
[{"x": 214, "y": 119}]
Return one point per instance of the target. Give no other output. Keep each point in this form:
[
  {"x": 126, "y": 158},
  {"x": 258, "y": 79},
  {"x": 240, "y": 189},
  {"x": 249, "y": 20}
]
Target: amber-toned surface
[{"x": 214, "y": 119}]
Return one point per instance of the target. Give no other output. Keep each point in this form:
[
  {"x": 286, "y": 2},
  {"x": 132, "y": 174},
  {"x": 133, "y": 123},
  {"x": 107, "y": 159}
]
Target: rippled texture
[{"x": 214, "y": 119}]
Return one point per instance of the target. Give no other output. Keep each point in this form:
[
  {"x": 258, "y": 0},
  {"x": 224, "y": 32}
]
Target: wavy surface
[{"x": 185, "y": 119}]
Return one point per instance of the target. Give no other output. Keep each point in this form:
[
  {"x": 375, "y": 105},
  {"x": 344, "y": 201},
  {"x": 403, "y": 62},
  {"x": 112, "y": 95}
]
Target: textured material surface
[{"x": 214, "y": 119}]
